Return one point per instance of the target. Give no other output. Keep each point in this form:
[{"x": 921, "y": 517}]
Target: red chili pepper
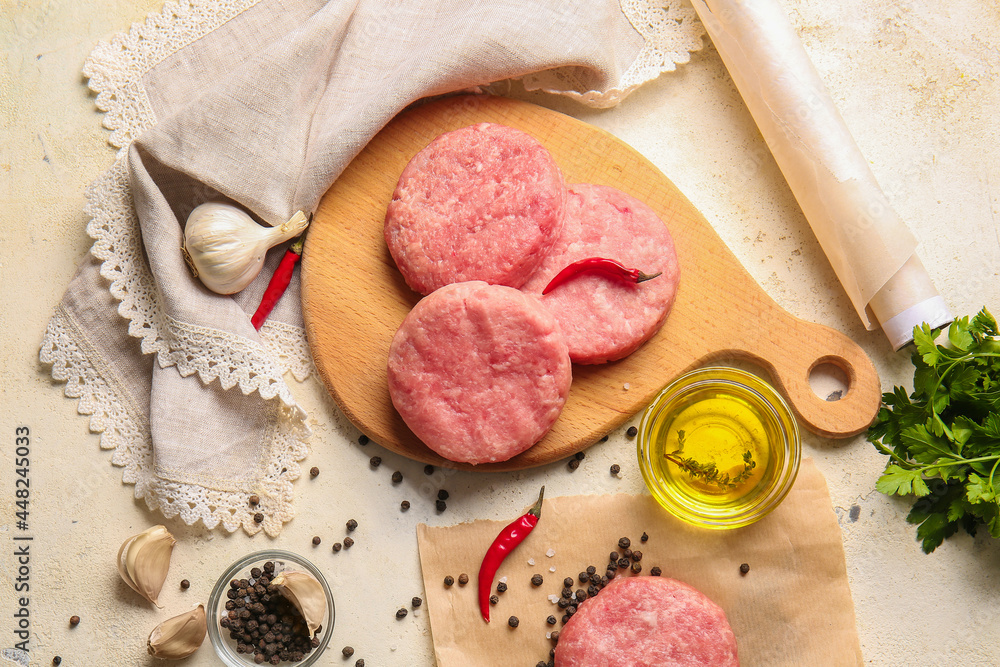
[
  {"x": 279, "y": 283},
  {"x": 602, "y": 265},
  {"x": 502, "y": 546}
]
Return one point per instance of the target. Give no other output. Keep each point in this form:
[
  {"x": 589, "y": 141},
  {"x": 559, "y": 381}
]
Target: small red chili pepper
[
  {"x": 502, "y": 546},
  {"x": 602, "y": 265},
  {"x": 279, "y": 282}
]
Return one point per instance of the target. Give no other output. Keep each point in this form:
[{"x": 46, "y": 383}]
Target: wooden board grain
[{"x": 354, "y": 298}]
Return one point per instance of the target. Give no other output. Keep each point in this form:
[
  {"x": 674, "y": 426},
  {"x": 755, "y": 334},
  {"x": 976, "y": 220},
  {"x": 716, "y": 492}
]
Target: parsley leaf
[{"x": 943, "y": 439}]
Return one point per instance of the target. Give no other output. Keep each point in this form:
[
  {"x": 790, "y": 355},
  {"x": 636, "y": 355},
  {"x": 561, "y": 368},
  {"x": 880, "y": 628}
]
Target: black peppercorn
[
  {"x": 632, "y": 431},
  {"x": 316, "y": 540},
  {"x": 536, "y": 580},
  {"x": 644, "y": 537},
  {"x": 337, "y": 546},
  {"x": 567, "y": 593},
  {"x": 463, "y": 579},
  {"x": 501, "y": 587},
  {"x": 636, "y": 556},
  {"x": 551, "y": 620},
  {"x": 363, "y": 440},
  {"x": 591, "y": 570},
  {"x": 397, "y": 477},
  {"x": 573, "y": 464},
  {"x": 627, "y": 554},
  {"x": 636, "y": 568},
  {"x": 555, "y": 635},
  {"x": 615, "y": 469},
  {"x": 348, "y": 651},
  {"x": 57, "y": 660},
  {"x": 314, "y": 472},
  {"x": 405, "y": 505},
  {"x": 623, "y": 563},
  {"x": 428, "y": 469},
  {"x": 494, "y": 599},
  {"x": 583, "y": 576},
  {"x": 416, "y": 602},
  {"x": 614, "y": 556},
  {"x": 74, "y": 621},
  {"x": 185, "y": 584},
  {"x": 565, "y": 619},
  {"x": 593, "y": 589},
  {"x": 348, "y": 543},
  {"x": 258, "y": 518},
  {"x": 401, "y": 612},
  {"x": 254, "y": 500},
  {"x": 655, "y": 571},
  {"x": 563, "y": 603},
  {"x": 744, "y": 568},
  {"x": 443, "y": 494},
  {"x": 449, "y": 580},
  {"x": 513, "y": 622},
  {"x": 375, "y": 461},
  {"x": 360, "y": 663},
  {"x": 580, "y": 456},
  {"x": 624, "y": 543},
  {"x": 540, "y": 663},
  {"x": 581, "y": 595},
  {"x": 441, "y": 505},
  {"x": 567, "y": 582},
  {"x": 351, "y": 525}
]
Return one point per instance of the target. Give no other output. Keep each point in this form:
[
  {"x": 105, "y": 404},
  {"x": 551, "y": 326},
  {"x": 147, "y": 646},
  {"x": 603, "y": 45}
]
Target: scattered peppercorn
[
  {"x": 502, "y": 587},
  {"x": 360, "y": 663},
  {"x": 536, "y": 580},
  {"x": 581, "y": 595},
  {"x": 405, "y": 505},
  {"x": 348, "y": 543},
  {"x": 573, "y": 464},
  {"x": 624, "y": 543},
  {"x": 254, "y": 500},
  {"x": 258, "y": 518},
  {"x": 337, "y": 546},
  {"x": 632, "y": 431},
  {"x": 494, "y": 599},
  {"x": 623, "y": 563},
  {"x": 551, "y": 620},
  {"x": 614, "y": 556},
  {"x": 363, "y": 440},
  {"x": 397, "y": 477},
  {"x": 513, "y": 622},
  {"x": 401, "y": 612},
  {"x": 463, "y": 579},
  {"x": 348, "y": 651},
  {"x": 428, "y": 469},
  {"x": 314, "y": 472},
  {"x": 567, "y": 582},
  {"x": 744, "y": 568},
  {"x": 57, "y": 660},
  {"x": 555, "y": 635},
  {"x": 644, "y": 537},
  {"x": 375, "y": 461},
  {"x": 591, "y": 570},
  {"x": 351, "y": 525},
  {"x": 567, "y": 593},
  {"x": 615, "y": 469},
  {"x": 583, "y": 576},
  {"x": 540, "y": 663},
  {"x": 580, "y": 456},
  {"x": 441, "y": 505},
  {"x": 636, "y": 556},
  {"x": 416, "y": 602},
  {"x": 563, "y": 603},
  {"x": 74, "y": 621},
  {"x": 316, "y": 540},
  {"x": 185, "y": 584},
  {"x": 655, "y": 571},
  {"x": 449, "y": 580},
  {"x": 636, "y": 568},
  {"x": 443, "y": 494}
]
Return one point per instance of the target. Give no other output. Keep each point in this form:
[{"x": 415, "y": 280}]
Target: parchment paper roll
[{"x": 868, "y": 245}]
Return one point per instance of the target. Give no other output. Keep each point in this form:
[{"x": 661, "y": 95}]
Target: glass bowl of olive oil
[{"x": 719, "y": 448}]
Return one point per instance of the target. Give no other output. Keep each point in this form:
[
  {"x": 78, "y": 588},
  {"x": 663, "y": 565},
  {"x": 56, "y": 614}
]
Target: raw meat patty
[
  {"x": 480, "y": 203},
  {"x": 647, "y": 622},
  {"x": 602, "y": 318},
  {"x": 478, "y": 372}
]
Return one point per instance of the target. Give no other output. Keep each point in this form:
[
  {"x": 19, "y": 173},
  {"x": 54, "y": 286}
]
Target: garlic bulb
[
  {"x": 306, "y": 593},
  {"x": 178, "y": 637},
  {"x": 225, "y": 247},
  {"x": 143, "y": 561}
]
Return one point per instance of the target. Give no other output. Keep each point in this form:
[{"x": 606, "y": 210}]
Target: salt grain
[
  {"x": 627, "y": 386},
  {"x": 550, "y": 553},
  {"x": 552, "y": 569},
  {"x": 531, "y": 561},
  {"x": 554, "y": 599},
  {"x": 503, "y": 580}
]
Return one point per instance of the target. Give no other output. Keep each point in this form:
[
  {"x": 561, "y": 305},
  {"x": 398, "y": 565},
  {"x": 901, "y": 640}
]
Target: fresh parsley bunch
[{"x": 943, "y": 440}]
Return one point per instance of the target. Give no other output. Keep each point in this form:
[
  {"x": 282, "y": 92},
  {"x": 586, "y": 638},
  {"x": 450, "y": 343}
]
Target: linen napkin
[{"x": 263, "y": 104}]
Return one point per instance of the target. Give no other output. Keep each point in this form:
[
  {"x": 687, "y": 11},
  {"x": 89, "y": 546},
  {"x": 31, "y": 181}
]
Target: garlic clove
[
  {"x": 143, "y": 561},
  {"x": 178, "y": 637},
  {"x": 306, "y": 593},
  {"x": 225, "y": 246}
]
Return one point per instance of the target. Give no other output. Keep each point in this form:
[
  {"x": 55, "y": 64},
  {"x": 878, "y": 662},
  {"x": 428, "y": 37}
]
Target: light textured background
[{"x": 916, "y": 82}]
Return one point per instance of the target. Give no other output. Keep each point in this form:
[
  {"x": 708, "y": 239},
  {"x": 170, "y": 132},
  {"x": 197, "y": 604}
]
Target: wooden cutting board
[{"x": 354, "y": 298}]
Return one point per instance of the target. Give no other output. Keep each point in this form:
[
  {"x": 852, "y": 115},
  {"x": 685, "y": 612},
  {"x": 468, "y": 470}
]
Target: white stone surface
[{"x": 916, "y": 82}]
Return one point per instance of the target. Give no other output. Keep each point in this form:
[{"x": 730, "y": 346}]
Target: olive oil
[{"x": 716, "y": 449}]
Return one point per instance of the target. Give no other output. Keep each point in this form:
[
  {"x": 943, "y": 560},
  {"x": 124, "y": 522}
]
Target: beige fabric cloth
[{"x": 264, "y": 104}]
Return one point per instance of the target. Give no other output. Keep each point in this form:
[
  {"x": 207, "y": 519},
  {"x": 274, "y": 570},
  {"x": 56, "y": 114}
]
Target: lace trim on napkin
[
  {"x": 670, "y": 31},
  {"x": 124, "y": 428}
]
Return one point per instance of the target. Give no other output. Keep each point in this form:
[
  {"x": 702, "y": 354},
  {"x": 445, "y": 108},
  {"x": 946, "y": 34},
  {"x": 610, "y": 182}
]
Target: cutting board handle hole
[{"x": 828, "y": 380}]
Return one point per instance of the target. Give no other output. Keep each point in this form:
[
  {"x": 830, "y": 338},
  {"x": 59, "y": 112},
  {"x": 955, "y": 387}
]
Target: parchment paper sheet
[{"x": 794, "y": 607}]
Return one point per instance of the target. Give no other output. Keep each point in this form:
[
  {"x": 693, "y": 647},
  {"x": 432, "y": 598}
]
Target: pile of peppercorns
[{"x": 263, "y": 623}]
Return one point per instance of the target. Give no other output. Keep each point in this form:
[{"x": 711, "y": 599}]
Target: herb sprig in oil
[{"x": 709, "y": 472}]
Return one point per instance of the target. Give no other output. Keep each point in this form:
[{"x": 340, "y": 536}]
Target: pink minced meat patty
[
  {"x": 480, "y": 203},
  {"x": 602, "y": 318},
  {"x": 478, "y": 372},
  {"x": 647, "y": 622}
]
